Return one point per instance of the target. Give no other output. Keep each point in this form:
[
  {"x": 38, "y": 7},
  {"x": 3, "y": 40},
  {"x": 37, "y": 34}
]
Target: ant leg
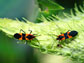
[
  {"x": 30, "y": 31},
  {"x": 56, "y": 35},
  {"x": 22, "y": 31},
  {"x": 39, "y": 43},
  {"x": 26, "y": 42},
  {"x": 73, "y": 39},
  {"x": 68, "y": 30},
  {"x": 65, "y": 40},
  {"x": 36, "y": 35},
  {"x": 61, "y": 33},
  {"x": 59, "y": 45}
]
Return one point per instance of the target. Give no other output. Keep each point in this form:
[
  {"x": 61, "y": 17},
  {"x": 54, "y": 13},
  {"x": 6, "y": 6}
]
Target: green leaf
[
  {"x": 50, "y": 4},
  {"x": 46, "y": 40}
]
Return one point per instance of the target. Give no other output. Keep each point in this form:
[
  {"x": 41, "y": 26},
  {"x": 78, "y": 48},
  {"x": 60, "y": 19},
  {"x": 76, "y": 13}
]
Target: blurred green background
[{"x": 10, "y": 51}]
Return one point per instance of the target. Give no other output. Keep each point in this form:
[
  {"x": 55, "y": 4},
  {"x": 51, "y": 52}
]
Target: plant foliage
[{"x": 46, "y": 34}]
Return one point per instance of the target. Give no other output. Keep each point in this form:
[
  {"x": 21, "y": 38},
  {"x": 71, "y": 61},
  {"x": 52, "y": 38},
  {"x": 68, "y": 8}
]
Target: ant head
[
  {"x": 59, "y": 37},
  {"x": 73, "y": 33}
]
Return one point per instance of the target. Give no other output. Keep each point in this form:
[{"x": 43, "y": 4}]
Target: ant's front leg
[
  {"x": 30, "y": 31},
  {"x": 68, "y": 30},
  {"x": 22, "y": 31}
]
